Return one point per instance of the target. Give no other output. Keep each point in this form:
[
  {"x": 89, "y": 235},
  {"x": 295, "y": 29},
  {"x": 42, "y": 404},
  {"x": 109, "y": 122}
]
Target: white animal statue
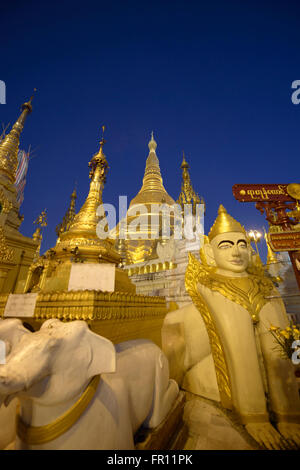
[
  {"x": 11, "y": 331},
  {"x": 67, "y": 404}
]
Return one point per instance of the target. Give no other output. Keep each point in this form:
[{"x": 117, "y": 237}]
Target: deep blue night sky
[{"x": 212, "y": 78}]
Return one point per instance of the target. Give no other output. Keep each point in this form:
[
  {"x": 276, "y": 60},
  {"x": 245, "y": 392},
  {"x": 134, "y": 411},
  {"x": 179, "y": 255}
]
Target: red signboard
[
  {"x": 284, "y": 241},
  {"x": 261, "y": 192}
]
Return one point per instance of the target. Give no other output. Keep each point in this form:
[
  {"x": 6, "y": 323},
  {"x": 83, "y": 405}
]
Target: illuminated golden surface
[
  {"x": 152, "y": 194},
  {"x": 118, "y": 316},
  {"x": 224, "y": 223}
]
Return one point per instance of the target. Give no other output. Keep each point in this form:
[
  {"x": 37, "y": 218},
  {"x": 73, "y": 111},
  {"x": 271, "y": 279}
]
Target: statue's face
[{"x": 230, "y": 252}]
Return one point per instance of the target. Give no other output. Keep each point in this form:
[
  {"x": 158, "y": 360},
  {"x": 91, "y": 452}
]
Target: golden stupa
[
  {"x": 16, "y": 250},
  {"x": 78, "y": 241},
  {"x": 144, "y": 225}
]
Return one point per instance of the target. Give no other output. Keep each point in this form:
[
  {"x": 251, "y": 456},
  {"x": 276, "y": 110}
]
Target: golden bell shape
[{"x": 224, "y": 223}]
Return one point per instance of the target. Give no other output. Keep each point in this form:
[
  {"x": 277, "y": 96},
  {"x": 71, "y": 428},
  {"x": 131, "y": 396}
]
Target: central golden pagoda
[{"x": 141, "y": 235}]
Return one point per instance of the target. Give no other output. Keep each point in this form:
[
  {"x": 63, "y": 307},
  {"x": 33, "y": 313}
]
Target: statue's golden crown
[{"x": 224, "y": 223}]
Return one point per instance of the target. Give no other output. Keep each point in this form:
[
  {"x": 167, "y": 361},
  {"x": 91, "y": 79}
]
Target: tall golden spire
[
  {"x": 152, "y": 190},
  {"x": 68, "y": 217},
  {"x": 187, "y": 194},
  {"x": 85, "y": 222},
  {"x": 9, "y": 146}
]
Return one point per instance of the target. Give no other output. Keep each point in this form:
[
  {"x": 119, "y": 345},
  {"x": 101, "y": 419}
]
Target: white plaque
[
  {"x": 92, "y": 276},
  {"x": 20, "y": 305}
]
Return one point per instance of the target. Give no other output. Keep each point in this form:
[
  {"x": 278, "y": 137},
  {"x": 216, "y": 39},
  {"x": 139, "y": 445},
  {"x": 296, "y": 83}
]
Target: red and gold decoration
[{"x": 280, "y": 203}]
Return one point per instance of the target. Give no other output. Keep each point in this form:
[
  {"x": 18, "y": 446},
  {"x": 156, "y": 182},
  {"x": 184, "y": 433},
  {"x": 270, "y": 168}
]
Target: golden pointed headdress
[{"x": 224, "y": 223}]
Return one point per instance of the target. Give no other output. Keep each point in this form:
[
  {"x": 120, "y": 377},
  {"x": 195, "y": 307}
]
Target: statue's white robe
[{"x": 250, "y": 354}]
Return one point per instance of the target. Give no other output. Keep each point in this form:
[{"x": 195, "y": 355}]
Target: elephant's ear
[{"x": 103, "y": 354}]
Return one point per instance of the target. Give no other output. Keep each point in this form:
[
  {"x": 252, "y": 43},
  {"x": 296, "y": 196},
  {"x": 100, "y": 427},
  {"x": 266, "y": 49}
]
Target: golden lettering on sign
[{"x": 264, "y": 193}]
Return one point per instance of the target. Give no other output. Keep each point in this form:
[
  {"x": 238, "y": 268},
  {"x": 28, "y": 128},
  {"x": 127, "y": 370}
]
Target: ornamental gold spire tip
[
  {"x": 152, "y": 144},
  {"x": 184, "y": 163},
  {"x": 28, "y": 104}
]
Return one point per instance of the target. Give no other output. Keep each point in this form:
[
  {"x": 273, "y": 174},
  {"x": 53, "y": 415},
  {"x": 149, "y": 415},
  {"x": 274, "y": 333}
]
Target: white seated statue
[
  {"x": 79, "y": 391},
  {"x": 221, "y": 347}
]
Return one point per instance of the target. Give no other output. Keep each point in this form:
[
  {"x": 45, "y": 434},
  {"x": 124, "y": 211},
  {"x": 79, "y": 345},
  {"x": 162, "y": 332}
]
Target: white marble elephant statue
[
  {"x": 11, "y": 331},
  {"x": 64, "y": 404}
]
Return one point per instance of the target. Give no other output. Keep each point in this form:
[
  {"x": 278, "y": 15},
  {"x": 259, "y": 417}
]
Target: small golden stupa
[{"x": 78, "y": 241}]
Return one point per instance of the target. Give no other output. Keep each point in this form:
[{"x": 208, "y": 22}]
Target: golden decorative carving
[
  {"x": 6, "y": 254},
  {"x": 36, "y": 435},
  {"x": 96, "y": 305},
  {"x": 153, "y": 268},
  {"x": 194, "y": 274},
  {"x": 41, "y": 220},
  {"x": 5, "y": 203},
  {"x": 250, "y": 292},
  {"x": 82, "y": 230}
]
